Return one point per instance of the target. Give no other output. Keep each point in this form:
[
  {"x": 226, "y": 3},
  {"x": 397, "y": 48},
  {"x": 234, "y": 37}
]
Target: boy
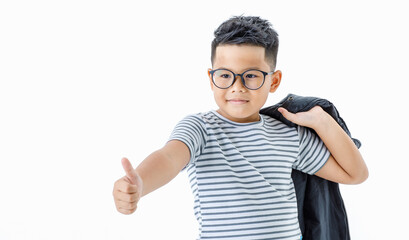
[{"x": 239, "y": 161}]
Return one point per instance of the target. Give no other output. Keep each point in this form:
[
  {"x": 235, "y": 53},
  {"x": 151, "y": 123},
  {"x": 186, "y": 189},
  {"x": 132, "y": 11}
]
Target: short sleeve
[
  {"x": 312, "y": 154},
  {"x": 191, "y": 131}
]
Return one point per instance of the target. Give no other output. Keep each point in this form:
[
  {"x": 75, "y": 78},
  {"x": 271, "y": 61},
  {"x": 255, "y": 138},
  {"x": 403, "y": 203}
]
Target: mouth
[{"x": 237, "y": 101}]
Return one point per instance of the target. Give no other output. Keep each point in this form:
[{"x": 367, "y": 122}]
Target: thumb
[
  {"x": 288, "y": 115},
  {"x": 130, "y": 171},
  {"x": 285, "y": 113}
]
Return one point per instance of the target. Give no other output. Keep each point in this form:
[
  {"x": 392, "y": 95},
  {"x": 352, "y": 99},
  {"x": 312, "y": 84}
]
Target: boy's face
[{"x": 237, "y": 103}]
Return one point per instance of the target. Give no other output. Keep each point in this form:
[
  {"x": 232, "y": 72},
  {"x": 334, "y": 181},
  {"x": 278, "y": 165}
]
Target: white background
[{"x": 84, "y": 83}]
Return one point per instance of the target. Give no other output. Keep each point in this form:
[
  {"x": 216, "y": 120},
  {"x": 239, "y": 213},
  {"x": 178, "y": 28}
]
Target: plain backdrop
[{"x": 84, "y": 83}]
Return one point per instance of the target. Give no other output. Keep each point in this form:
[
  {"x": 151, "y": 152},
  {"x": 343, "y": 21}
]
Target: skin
[{"x": 237, "y": 103}]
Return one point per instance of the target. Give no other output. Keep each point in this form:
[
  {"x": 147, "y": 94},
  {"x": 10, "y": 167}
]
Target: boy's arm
[
  {"x": 155, "y": 171},
  {"x": 163, "y": 165},
  {"x": 345, "y": 165}
]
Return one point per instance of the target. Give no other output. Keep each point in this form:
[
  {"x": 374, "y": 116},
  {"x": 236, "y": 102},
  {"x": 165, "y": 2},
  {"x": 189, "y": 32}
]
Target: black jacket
[{"x": 321, "y": 210}]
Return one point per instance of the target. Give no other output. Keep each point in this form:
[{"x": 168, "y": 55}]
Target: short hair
[{"x": 247, "y": 30}]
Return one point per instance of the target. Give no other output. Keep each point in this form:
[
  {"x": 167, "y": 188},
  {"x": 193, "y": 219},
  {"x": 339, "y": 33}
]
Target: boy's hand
[
  {"x": 128, "y": 189},
  {"x": 312, "y": 118},
  {"x": 345, "y": 165}
]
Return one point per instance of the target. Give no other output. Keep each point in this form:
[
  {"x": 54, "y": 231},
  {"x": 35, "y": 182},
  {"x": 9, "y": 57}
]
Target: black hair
[{"x": 248, "y": 30}]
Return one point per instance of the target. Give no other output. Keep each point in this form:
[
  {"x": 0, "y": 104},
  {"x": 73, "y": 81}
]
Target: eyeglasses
[{"x": 252, "y": 79}]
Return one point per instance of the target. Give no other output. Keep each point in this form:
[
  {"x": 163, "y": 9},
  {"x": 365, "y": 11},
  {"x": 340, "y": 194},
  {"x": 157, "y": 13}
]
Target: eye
[
  {"x": 225, "y": 75},
  {"x": 251, "y": 75}
]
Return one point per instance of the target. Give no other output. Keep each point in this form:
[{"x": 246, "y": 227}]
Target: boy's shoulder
[
  {"x": 215, "y": 119},
  {"x": 201, "y": 116},
  {"x": 205, "y": 118}
]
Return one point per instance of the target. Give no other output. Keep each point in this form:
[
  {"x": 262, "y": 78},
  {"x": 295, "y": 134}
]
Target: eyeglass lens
[{"x": 253, "y": 79}]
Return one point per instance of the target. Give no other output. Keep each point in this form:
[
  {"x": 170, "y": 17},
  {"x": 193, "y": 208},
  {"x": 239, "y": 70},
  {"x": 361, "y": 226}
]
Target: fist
[{"x": 128, "y": 189}]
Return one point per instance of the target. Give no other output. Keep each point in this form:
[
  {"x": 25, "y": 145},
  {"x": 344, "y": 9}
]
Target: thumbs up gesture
[{"x": 128, "y": 189}]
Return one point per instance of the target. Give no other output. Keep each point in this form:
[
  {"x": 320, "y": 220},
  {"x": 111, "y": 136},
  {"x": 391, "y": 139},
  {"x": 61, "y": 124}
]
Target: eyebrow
[{"x": 246, "y": 69}]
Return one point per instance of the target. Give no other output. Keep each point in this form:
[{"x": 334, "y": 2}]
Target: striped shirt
[{"x": 240, "y": 174}]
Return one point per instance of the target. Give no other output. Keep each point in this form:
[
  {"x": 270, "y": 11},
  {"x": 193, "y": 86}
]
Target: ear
[
  {"x": 275, "y": 81},
  {"x": 210, "y": 78}
]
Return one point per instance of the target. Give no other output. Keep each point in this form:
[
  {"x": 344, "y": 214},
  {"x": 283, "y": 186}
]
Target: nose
[{"x": 238, "y": 85}]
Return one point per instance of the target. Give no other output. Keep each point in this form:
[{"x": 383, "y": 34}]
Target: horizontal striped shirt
[{"x": 240, "y": 174}]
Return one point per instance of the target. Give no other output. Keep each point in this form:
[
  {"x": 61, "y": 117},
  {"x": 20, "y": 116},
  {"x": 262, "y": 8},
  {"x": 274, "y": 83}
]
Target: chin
[{"x": 243, "y": 116}]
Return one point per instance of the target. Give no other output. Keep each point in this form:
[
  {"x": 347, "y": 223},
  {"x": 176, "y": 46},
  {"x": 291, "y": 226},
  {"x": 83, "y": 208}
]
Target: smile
[{"x": 237, "y": 101}]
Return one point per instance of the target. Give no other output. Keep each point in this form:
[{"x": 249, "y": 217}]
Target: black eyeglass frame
[{"x": 241, "y": 76}]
